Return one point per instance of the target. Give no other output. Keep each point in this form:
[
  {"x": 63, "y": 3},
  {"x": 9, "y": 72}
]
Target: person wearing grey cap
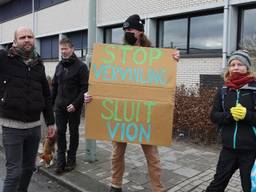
[{"x": 234, "y": 112}]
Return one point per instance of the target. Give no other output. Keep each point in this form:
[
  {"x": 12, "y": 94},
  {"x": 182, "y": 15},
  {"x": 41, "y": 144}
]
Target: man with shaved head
[{"x": 24, "y": 94}]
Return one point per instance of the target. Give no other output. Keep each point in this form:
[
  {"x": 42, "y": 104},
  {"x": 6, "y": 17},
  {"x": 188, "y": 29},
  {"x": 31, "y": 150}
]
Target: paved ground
[
  {"x": 185, "y": 168},
  {"x": 39, "y": 181}
]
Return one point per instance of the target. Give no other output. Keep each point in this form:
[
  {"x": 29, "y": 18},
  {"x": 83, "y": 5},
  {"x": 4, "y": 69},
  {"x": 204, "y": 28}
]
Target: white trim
[
  {"x": 169, "y": 13},
  {"x": 61, "y": 32},
  {"x": 241, "y": 2}
]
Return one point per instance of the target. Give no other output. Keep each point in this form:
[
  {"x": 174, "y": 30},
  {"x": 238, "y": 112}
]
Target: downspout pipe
[
  {"x": 33, "y": 17},
  {"x": 225, "y": 33},
  {"x": 90, "y": 144}
]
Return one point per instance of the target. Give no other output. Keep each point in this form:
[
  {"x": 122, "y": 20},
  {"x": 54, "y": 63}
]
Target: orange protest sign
[{"x": 133, "y": 91}]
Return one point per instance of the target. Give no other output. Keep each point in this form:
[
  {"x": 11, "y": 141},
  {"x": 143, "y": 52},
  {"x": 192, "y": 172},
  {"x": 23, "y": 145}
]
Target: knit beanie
[
  {"x": 134, "y": 22},
  {"x": 242, "y": 56}
]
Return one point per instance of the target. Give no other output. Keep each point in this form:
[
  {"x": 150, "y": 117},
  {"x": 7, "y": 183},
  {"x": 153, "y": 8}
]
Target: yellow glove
[
  {"x": 234, "y": 114},
  {"x": 238, "y": 112}
]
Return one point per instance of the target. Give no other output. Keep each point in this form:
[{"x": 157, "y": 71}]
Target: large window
[
  {"x": 175, "y": 33},
  {"x": 248, "y": 26},
  {"x": 196, "y": 34},
  {"x": 113, "y": 35},
  {"x": 49, "y": 47},
  {"x": 79, "y": 39},
  {"x": 14, "y": 9},
  {"x": 17, "y": 8}
]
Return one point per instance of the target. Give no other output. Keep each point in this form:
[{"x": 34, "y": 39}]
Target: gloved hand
[{"x": 238, "y": 112}]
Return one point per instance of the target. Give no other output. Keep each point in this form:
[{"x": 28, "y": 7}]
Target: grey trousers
[{"x": 20, "y": 147}]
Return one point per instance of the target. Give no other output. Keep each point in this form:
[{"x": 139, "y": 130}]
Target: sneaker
[
  {"x": 59, "y": 170},
  {"x": 70, "y": 166},
  {"x": 114, "y": 189}
]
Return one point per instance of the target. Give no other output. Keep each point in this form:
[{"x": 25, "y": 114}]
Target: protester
[
  {"x": 24, "y": 94},
  {"x": 69, "y": 83},
  {"x": 134, "y": 35},
  {"x": 234, "y": 111}
]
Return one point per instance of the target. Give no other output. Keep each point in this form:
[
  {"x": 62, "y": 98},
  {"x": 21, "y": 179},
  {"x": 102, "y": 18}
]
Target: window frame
[
  {"x": 241, "y": 10},
  {"x": 82, "y": 50},
  {"x": 160, "y": 31},
  {"x": 105, "y": 31},
  {"x": 51, "y": 39}
]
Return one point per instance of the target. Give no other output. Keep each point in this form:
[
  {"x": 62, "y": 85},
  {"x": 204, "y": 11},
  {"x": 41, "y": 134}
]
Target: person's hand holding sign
[
  {"x": 176, "y": 55},
  {"x": 87, "y": 98}
]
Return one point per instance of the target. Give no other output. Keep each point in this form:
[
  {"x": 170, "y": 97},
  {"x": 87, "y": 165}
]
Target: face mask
[{"x": 130, "y": 38}]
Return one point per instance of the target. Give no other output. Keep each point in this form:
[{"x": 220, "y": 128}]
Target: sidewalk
[{"x": 185, "y": 168}]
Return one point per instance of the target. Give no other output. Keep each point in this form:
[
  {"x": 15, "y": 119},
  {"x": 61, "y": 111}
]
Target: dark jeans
[
  {"x": 229, "y": 161},
  {"x": 20, "y": 147},
  {"x": 73, "y": 120}
]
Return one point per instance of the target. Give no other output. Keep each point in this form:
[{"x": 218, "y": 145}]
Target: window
[
  {"x": 14, "y": 9},
  {"x": 18, "y": 8},
  {"x": 113, "y": 35},
  {"x": 206, "y": 34},
  {"x": 196, "y": 34},
  {"x": 248, "y": 26},
  {"x": 49, "y": 47},
  {"x": 41, "y": 4},
  {"x": 79, "y": 39},
  {"x": 175, "y": 33}
]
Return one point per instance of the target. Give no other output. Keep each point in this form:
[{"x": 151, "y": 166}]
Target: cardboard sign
[{"x": 133, "y": 91}]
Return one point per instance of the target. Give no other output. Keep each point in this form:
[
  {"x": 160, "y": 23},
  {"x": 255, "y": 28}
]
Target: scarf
[
  {"x": 69, "y": 61},
  {"x": 29, "y": 58},
  {"x": 238, "y": 80}
]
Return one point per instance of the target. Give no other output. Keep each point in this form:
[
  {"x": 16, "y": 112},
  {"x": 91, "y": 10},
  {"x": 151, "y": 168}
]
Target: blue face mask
[{"x": 130, "y": 38}]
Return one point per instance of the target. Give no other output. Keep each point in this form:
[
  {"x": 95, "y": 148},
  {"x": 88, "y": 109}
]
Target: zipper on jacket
[
  {"x": 254, "y": 130},
  {"x": 236, "y": 125}
]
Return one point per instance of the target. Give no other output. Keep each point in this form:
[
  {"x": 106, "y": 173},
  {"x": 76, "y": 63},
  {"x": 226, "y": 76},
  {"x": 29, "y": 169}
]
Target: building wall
[
  {"x": 64, "y": 17},
  {"x": 116, "y": 11},
  {"x": 72, "y": 15},
  {"x": 189, "y": 70},
  {"x": 50, "y": 67},
  {"x": 8, "y": 28}
]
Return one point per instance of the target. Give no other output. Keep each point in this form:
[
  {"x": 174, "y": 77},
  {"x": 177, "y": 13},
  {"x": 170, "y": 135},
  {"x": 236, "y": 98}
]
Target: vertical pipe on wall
[
  {"x": 90, "y": 145},
  {"x": 225, "y": 33},
  {"x": 33, "y": 17}
]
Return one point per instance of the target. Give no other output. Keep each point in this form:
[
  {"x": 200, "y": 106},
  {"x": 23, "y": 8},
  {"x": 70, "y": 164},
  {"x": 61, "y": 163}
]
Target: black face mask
[{"x": 130, "y": 38}]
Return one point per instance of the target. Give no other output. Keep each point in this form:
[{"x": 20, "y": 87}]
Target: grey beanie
[{"x": 242, "y": 56}]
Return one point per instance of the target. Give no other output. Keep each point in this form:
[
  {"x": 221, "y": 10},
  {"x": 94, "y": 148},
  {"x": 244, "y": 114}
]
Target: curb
[
  {"x": 86, "y": 184},
  {"x": 60, "y": 180}
]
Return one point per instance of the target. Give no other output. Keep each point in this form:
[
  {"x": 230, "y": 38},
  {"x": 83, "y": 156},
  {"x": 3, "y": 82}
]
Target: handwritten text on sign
[{"x": 132, "y": 89}]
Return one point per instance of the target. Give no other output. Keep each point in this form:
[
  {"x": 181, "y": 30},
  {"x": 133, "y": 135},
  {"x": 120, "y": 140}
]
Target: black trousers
[
  {"x": 72, "y": 120},
  {"x": 229, "y": 161},
  {"x": 20, "y": 146}
]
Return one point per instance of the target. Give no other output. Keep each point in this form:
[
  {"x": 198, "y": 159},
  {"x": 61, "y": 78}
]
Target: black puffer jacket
[
  {"x": 240, "y": 134},
  {"x": 69, "y": 84},
  {"x": 24, "y": 90}
]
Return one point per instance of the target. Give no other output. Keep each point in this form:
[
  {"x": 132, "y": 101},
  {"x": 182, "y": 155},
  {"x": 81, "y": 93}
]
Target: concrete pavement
[{"x": 185, "y": 168}]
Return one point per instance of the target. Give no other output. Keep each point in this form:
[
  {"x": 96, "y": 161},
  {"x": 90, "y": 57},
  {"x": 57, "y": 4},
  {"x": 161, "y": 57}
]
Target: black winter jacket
[
  {"x": 69, "y": 84},
  {"x": 240, "y": 134},
  {"x": 24, "y": 90}
]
